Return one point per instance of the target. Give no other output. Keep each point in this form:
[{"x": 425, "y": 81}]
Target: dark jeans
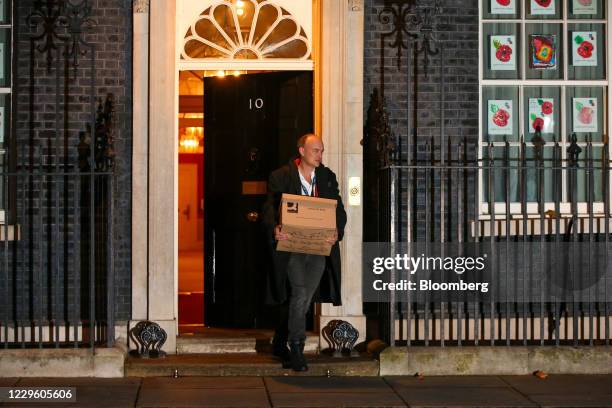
[{"x": 304, "y": 274}]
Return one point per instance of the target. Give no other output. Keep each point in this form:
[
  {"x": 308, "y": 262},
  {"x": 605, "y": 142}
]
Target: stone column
[
  {"x": 155, "y": 106},
  {"x": 342, "y": 50},
  {"x": 140, "y": 130}
]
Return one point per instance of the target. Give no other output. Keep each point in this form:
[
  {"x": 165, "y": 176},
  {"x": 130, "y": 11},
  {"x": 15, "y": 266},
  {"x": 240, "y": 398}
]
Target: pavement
[{"x": 295, "y": 391}]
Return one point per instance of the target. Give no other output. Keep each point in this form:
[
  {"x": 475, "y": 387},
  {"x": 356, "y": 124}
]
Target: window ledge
[
  {"x": 547, "y": 216},
  {"x": 516, "y": 225}
]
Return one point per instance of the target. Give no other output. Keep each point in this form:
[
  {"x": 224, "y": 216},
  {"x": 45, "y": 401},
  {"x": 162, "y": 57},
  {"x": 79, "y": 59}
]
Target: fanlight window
[{"x": 247, "y": 29}]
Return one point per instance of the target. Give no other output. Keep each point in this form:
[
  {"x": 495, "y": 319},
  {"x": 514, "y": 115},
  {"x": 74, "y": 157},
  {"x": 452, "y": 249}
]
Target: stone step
[
  {"x": 208, "y": 345},
  {"x": 223, "y": 344},
  {"x": 247, "y": 364}
]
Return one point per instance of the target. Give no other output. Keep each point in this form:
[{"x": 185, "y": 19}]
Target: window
[
  {"x": 5, "y": 97},
  {"x": 246, "y": 30},
  {"x": 543, "y": 71}
]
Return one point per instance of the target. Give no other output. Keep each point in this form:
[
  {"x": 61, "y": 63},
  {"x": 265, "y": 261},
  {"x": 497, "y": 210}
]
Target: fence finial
[{"x": 573, "y": 150}]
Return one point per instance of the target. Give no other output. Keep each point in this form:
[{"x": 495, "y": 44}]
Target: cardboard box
[{"x": 309, "y": 221}]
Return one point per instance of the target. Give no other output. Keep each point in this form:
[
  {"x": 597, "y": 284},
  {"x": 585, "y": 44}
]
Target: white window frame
[
  {"x": 188, "y": 12},
  {"x": 532, "y": 207},
  {"x": 8, "y": 92}
]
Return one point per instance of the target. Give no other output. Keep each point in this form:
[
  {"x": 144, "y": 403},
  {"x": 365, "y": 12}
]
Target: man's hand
[
  {"x": 279, "y": 235},
  {"x": 332, "y": 240}
]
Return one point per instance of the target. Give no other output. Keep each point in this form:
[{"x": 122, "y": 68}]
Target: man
[{"x": 296, "y": 277}]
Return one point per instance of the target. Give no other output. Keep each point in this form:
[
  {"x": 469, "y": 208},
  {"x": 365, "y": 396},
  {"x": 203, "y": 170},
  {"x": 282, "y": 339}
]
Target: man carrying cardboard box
[{"x": 295, "y": 276}]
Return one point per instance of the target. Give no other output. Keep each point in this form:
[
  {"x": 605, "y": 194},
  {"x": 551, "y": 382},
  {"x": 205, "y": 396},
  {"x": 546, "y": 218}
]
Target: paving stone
[
  {"x": 336, "y": 399},
  {"x": 574, "y": 401},
  {"x": 7, "y": 382},
  {"x": 96, "y": 397},
  {"x": 324, "y": 384},
  {"x": 189, "y": 397},
  {"x": 445, "y": 381},
  {"x": 464, "y": 397},
  {"x": 561, "y": 384},
  {"x": 107, "y": 396},
  {"x": 203, "y": 382}
]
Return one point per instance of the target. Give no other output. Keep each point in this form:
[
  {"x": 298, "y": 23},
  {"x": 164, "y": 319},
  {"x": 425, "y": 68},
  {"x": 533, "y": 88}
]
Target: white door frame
[{"x": 155, "y": 155}]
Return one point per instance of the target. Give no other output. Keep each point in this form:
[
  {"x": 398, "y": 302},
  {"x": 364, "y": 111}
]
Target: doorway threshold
[{"x": 213, "y": 340}]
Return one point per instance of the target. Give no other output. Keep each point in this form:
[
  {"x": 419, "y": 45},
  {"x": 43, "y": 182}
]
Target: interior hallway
[{"x": 191, "y": 290}]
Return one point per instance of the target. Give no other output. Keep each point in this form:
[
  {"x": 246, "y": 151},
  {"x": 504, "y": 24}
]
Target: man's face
[{"x": 312, "y": 152}]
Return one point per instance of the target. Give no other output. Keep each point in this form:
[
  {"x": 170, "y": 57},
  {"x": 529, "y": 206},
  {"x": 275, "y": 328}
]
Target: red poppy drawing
[
  {"x": 585, "y": 50},
  {"x": 586, "y": 115},
  {"x": 504, "y": 53},
  {"x": 547, "y": 108},
  {"x": 503, "y": 2},
  {"x": 501, "y": 118},
  {"x": 543, "y": 3},
  {"x": 538, "y": 124}
]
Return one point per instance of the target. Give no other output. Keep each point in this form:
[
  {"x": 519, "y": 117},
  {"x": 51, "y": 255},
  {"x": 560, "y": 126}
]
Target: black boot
[
  {"x": 281, "y": 335},
  {"x": 279, "y": 348},
  {"x": 302, "y": 344},
  {"x": 298, "y": 362}
]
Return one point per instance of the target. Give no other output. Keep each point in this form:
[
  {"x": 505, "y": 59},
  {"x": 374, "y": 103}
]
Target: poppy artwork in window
[
  {"x": 543, "y": 51},
  {"x": 541, "y": 115},
  {"x": 584, "y": 115},
  {"x": 500, "y": 117},
  {"x": 584, "y": 51},
  {"x": 503, "y": 6},
  {"x": 584, "y": 7},
  {"x": 502, "y": 53},
  {"x": 542, "y": 7}
]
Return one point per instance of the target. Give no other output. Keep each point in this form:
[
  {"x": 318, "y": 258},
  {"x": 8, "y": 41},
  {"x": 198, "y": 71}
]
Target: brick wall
[
  {"x": 457, "y": 31},
  {"x": 53, "y": 236}
]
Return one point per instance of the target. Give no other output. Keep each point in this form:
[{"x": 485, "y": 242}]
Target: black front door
[{"x": 251, "y": 125}]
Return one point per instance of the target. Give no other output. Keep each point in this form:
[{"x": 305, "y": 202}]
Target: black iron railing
[
  {"x": 56, "y": 241},
  {"x": 56, "y": 273},
  {"x": 555, "y": 209}
]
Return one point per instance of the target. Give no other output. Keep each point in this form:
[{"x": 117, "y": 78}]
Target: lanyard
[{"x": 313, "y": 185}]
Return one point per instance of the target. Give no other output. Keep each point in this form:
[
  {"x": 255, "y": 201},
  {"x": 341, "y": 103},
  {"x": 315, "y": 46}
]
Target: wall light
[
  {"x": 220, "y": 73},
  {"x": 240, "y": 7}
]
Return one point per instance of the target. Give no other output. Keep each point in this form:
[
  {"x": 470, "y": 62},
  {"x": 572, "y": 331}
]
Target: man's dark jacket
[{"x": 287, "y": 180}]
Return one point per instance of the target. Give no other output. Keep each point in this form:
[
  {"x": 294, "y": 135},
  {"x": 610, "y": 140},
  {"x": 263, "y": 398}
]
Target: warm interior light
[
  {"x": 236, "y": 73},
  {"x": 192, "y": 116},
  {"x": 220, "y": 73},
  {"x": 190, "y": 140},
  {"x": 240, "y": 7}
]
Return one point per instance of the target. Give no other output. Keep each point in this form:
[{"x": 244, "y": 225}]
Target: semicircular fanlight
[{"x": 245, "y": 29}]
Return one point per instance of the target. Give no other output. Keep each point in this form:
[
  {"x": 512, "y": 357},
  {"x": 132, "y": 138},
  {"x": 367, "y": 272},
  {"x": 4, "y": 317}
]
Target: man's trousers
[{"x": 304, "y": 273}]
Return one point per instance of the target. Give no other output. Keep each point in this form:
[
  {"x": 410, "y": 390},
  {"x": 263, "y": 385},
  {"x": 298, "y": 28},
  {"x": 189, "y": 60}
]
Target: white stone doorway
[{"x": 339, "y": 95}]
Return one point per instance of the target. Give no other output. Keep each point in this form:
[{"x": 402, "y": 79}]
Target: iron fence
[
  {"x": 56, "y": 269},
  {"x": 56, "y": 238},
  {"x": 538, "y": 200}
]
